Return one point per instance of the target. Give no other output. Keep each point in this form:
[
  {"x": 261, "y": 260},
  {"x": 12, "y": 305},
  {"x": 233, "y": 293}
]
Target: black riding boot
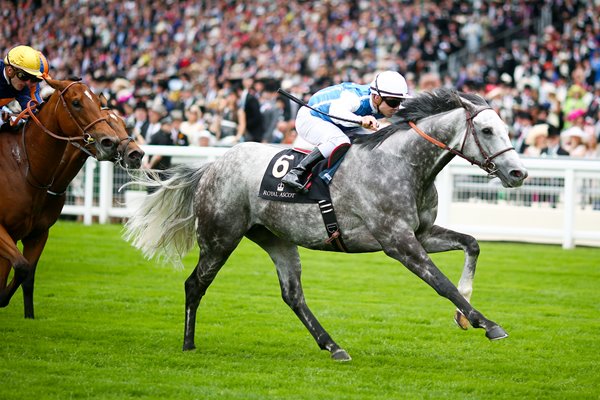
[{"x": 294, "y": 176}]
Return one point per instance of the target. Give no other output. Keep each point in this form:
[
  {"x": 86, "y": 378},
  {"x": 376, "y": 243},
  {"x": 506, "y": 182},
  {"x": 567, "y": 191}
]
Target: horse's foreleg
[
  {"x": 12, "y": 255},
  {"x": 409, "y": 251},
  {"x": 441, "y": 239},
  {"x": 32, "y": 250},
  {"x": 287, "y": 261},
  {"x": 5, "y": 269}
]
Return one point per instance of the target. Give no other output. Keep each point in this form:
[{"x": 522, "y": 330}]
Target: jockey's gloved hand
[
  {"x": 369, "y": 122},
  {"x": 6, "y": 114}
]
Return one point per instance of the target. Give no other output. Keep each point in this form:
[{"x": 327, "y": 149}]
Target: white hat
[
  {"x": 159, "y": 109},
  {"x": 574, "y": 131},
  {"x": 535, "y": 132}
]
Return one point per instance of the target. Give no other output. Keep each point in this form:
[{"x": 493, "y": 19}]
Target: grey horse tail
[{"x": 163, "y": 226}]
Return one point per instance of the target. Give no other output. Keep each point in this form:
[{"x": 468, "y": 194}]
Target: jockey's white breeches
[{"x": 316, "y": 131}]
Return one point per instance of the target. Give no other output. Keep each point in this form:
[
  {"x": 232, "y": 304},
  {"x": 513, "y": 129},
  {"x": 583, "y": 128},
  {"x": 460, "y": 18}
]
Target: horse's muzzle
[
  {"x": 106, "y": 148},
  {"x": 515, "y": 178},
  {"x": 133, "y": 159}
]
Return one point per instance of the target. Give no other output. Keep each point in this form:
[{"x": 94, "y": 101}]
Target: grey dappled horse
[{"x": 383, "y": 193}]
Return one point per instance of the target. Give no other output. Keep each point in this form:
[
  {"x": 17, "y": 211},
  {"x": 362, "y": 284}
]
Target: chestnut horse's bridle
[{"x": 85, "y": 137}]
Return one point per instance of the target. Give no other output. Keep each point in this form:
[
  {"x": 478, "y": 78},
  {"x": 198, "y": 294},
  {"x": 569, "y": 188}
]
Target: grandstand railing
[{"x": 559, "y": 202}]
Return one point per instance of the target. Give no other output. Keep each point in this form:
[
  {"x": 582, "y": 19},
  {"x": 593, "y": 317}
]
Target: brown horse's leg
[
  {"x": 5, "y": 268},
  {"x": 441, "y": 239},
  {"x": 287, "y": 261},
  {"x": 32, "y": 250},
  {"x": 10, "y": 252}
]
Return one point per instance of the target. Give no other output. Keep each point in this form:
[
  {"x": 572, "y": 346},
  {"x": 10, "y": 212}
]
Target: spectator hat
[
  {"x": 159, "y": 109},
  {"x": 141, "y": 105},
  {"x": 575, "y": 90},
  {"x": 177, "y": 115},
  {"x": 574, "y": 131},
  {"x": 553, "y": 131},
  {"x": 573, "y": 115},
  {"x": 535, "y": 132}
]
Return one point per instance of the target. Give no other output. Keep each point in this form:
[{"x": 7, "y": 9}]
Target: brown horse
[
  {"x": 129, "y": 156},
  {"x": 29, "y": 163}
]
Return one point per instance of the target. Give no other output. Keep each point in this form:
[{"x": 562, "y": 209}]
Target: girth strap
[{"x": 331, "y": 226}]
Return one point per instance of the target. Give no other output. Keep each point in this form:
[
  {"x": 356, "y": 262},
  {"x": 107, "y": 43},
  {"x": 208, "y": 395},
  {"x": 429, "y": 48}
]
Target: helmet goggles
[{"x": 24, "y": 76}]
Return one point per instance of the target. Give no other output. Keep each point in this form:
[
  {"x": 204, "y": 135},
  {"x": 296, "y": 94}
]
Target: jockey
[
  {"x": 23, "y": 69},
  {"x": 350, "y": 101}
]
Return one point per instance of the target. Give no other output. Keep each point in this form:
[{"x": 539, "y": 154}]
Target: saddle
[{"x": 271, "y": 187}]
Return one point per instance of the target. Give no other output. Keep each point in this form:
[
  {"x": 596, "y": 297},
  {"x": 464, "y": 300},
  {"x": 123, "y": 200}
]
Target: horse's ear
[
  {"x": 103, "y": 100},
  {"x": 56, "y": 84}
]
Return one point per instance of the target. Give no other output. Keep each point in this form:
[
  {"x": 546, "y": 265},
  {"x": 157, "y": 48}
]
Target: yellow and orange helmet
[{"x": 27, "y": 59}]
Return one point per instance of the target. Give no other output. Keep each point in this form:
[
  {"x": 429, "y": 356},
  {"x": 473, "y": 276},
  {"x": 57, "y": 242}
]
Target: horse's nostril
[
  {"x": 517, "y": 173},
  {"x": 136, "y": 155}
]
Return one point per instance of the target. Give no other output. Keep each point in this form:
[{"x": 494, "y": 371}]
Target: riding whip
[{"x": 302, "y": 103}]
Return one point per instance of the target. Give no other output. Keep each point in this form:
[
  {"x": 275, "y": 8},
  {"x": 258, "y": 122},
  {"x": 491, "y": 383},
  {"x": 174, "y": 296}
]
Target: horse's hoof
[
  {"x": 461, "y": 320},
  {"x": 189, "y": 346},
  {"x": 341, "y": 355},
  {"x": 496, "y": 333}
]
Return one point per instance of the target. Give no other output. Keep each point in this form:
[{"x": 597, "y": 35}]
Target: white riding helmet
[{"x": 390, "y": 84}]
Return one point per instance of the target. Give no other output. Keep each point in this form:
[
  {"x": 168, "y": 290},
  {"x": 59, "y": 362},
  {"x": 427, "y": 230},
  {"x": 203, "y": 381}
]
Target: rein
[
  {"x": 487, "y": 164},
  {"x": 86, "y": 137}
]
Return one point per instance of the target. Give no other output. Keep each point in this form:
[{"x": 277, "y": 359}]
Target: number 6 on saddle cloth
[{"x": 271, "y": 187}]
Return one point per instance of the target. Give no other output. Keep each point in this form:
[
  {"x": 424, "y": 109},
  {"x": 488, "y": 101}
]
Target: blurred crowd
[{"x": 206, "y": 73}]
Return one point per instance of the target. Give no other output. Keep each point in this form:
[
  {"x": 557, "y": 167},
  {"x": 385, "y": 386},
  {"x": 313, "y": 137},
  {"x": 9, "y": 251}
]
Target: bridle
[
  {"x": 85, "y": 137},
  {"x": 487, "y": 164},
  {"x": 118, "y": 160}
]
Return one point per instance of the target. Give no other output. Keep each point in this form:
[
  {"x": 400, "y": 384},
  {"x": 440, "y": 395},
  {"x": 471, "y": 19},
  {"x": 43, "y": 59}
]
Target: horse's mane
[{"x": 421, "y": 106}]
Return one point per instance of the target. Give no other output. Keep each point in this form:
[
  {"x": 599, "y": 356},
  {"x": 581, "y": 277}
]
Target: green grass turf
[{"x": 109, "y": 325}]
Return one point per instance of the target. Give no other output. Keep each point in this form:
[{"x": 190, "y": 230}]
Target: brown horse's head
[
  {"x": 129, "y": 153},
  {"x": 78, "y": 116}
]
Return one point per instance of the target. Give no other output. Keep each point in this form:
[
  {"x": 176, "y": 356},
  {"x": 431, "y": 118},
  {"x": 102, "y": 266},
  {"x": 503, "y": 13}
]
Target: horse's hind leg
[
  {"x": 209, "y": 263},
  {"x": 287, "y": 261},
  {"x": 441, "y": 239},
  {"x": 11, "y": 254}
]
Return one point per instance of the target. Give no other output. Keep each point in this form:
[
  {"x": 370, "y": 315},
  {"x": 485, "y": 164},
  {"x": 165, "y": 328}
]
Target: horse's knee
[{"x": 472, "y": 246}]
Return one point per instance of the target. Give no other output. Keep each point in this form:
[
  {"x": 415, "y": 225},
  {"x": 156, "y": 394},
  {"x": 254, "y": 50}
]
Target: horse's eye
[
  {"x": 487, "y": 131},
  {"x": 76, "y": 103}
]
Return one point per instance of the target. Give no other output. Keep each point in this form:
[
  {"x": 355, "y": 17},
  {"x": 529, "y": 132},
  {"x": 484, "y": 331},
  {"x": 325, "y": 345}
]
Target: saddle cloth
[{"x": 271, "y": 187}]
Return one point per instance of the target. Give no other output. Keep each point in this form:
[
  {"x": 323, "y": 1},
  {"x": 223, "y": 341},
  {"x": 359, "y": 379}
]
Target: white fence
[{"x": 559, "y": 203}]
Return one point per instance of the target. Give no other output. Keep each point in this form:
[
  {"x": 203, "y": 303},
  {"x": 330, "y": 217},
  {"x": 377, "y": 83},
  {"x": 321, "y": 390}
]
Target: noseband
[{"x": 487, "y": 164}]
